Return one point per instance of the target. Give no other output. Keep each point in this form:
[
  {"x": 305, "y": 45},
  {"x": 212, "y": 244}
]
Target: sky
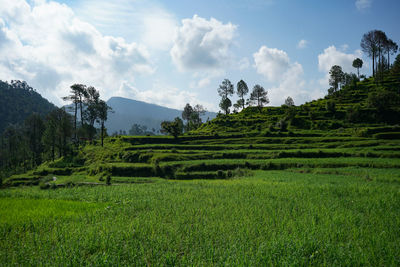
[{"x": 174, "y": 52}]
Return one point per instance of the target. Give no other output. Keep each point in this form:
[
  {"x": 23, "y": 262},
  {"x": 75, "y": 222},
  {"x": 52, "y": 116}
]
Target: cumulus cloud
[
  {"x": 51, "y": 54},
  {"x": 302, "y": 44},
  {"x": 286, "y": 76},
  {"x": 202, "y": 44},
  {"x": 271, "y": 63},
  {"x": 332, "y": 56},
  {"x": 363, "y": 4}
]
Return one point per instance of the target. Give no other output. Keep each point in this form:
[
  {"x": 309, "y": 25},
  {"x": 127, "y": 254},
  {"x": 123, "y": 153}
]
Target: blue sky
[{"x": 174, "y": 52}]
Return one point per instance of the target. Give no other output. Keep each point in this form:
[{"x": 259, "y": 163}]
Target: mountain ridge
[{"x": 126, "y": 112}]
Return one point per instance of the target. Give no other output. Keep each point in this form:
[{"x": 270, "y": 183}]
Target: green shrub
[{"x": 108, "y": 180}]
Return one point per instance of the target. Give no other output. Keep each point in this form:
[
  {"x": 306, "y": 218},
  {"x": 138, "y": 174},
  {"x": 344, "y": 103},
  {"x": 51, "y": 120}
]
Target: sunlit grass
[{"x": 271, "y": 218}]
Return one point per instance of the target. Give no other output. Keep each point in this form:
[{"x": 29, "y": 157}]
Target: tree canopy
[
  {"x": 358, "y": 63},
  {"x": 259, "y": 96},
  {"x": 225, "y": 90}
]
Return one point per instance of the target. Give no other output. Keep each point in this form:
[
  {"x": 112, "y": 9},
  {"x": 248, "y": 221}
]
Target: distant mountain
[
  {"x": 127, "y": 112},
  {"x": 17, "y": 101}
]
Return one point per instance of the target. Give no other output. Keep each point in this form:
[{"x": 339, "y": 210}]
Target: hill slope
[
  {"x": 17, "y": 101},
  {"x": 366, "y": 103},
  {"x": 127, "y": 112}
]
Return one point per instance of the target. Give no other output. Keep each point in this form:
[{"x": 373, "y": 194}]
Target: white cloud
[
  {"x": 159, "y": 29},
  {"x": 51, "y": 54},
  {"x": 331, "y": 56},
  {"x": 286, "y": 77},
  {"x": 202, "y": 44},
  {"x": 363, "y": 4},
  {"x": 146, "y": 21},
  {"x": 271, "y": 63},
  {"x": 302, "y": 44}
]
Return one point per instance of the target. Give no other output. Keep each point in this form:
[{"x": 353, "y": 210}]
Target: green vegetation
[
  {"x": 18, "y": 101},
  {"x": 316, "y": 184},
  {"x": 296, "y": 217}
]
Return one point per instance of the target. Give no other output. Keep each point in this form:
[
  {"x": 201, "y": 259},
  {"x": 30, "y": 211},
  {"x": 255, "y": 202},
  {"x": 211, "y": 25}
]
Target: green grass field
[{"x": 348, "y": 216}]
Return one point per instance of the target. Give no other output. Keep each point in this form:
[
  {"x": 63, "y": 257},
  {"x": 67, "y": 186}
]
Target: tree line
[
  {"x": 378, "y": 47},
  {"x": 258, "y": 96},
  {"x": 27, "y": 145},
  {"x": 192, "y": 116}
]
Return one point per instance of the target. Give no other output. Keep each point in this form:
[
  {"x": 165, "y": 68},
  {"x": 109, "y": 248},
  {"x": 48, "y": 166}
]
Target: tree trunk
[
  {"x": 373, "y": 64},
  {"x": 80, "y": 105},
  {"x": 75, "y": 118},
  {"x": 102, "y": 132}
]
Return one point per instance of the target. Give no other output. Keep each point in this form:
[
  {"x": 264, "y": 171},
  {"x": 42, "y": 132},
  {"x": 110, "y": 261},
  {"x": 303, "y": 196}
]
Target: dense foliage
[
  {"x": 40, "y": 138},
  {"x": 17, "y": 101}
]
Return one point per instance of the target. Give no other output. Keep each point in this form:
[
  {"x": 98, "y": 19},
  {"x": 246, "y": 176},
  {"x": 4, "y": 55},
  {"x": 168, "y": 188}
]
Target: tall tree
[
  {"x": 187, "y": 115},
  {"x": 336, "y": 77},
  {"x": 198, "y": 111},
  {"x": 225, "y": 104},
  {"x": 241, "y": 90},
  {"x": 103, "y": 109},
  {"x": 369, "y": 45},
  {"x": 63, "y": 131},
  {"x": 34, "y": 128},
  {"x": 391, "y": 49},
  {"x": 357, "y": 63},
  {"x": 90, "y": 113},
  {"x": 381, "y": 40},
  {"x": 259, "y": 96},
  {"x": 225, "y": 90},
  {"x": 49, "y": 138},
  {"x": 78, "y": 92}
]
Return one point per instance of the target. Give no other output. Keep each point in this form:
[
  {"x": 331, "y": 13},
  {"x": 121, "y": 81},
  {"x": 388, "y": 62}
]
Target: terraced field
[{"x": 216, "y": 157}]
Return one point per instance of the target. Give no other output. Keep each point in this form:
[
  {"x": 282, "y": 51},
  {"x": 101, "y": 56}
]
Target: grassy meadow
[{"x": 291, "y": 217}]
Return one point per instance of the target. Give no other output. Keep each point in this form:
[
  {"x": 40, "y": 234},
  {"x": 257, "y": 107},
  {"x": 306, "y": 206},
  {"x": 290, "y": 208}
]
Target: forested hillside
[{"x": 17, "y": 101}]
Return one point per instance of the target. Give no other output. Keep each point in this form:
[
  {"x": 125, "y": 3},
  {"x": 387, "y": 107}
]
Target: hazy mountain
[
  {"x": 17, "y": 101},
  {"x": 127, "y": 112}
]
